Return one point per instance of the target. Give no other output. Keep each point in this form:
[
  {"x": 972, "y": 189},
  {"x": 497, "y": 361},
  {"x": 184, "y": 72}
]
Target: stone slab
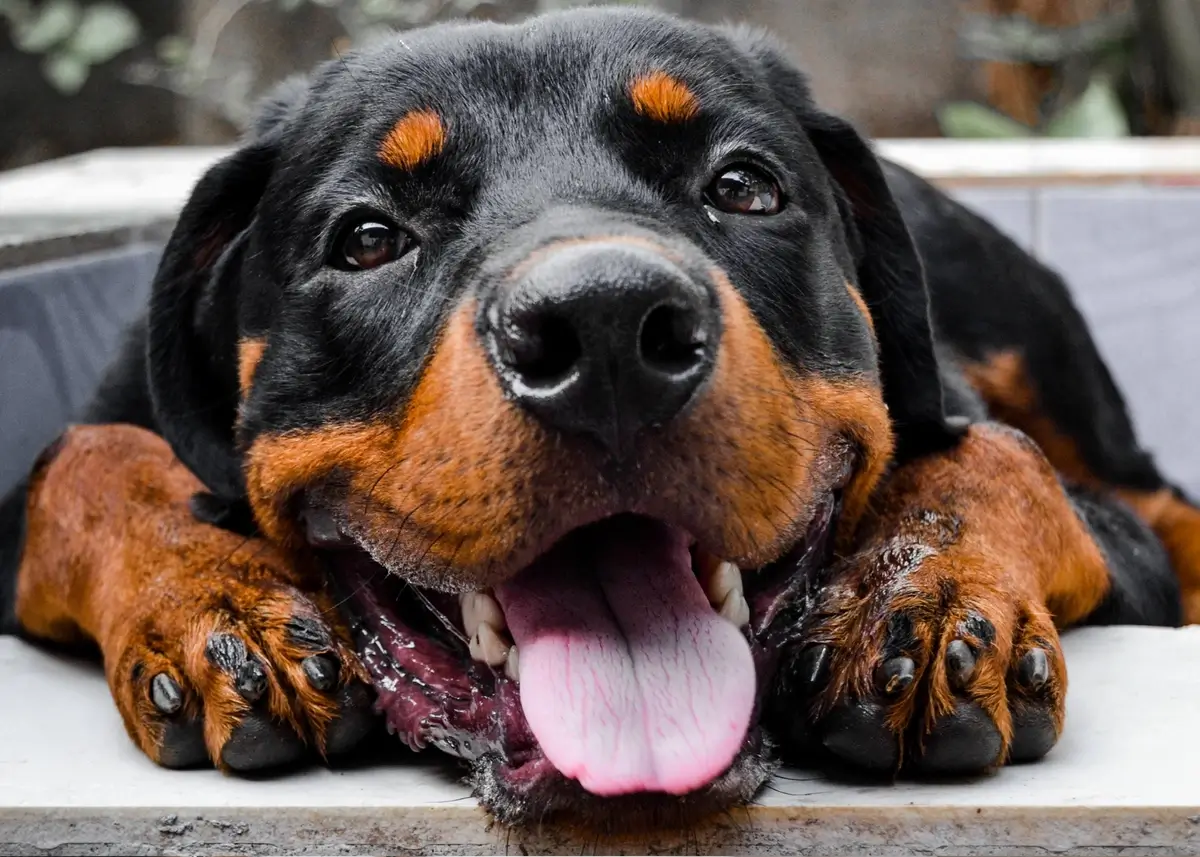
[{"x": 1124, "y": 779}]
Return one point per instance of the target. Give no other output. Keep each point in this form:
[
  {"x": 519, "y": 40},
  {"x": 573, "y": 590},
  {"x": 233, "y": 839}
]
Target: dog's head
[{"x": 592, "y": 332}]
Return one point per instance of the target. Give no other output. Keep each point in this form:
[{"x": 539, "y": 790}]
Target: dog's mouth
[{"x": 625, "y": 666}]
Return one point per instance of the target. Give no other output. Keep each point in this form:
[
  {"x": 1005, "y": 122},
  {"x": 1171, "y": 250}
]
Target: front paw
[
  {"x": 923, "y": 657},
  {"x": 239, "y": 666}
]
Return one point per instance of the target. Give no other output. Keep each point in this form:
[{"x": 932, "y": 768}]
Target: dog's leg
[
  {"x": 936, "y": 643},
  {"x": 216, "y": 647},
  {"x": 1114, "y": 465}
]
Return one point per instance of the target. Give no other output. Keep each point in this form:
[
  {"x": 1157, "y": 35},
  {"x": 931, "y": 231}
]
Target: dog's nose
[{"x": 604, "y": 338}]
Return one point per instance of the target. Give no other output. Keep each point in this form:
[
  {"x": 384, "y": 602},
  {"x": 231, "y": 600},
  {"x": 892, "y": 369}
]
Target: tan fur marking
[
  {"x": 1005, "y": 386},
  {"x": 415, "y": 139},
  {"x": 856, "y": 296},
  {"x": 250, "y": 352},
  {"x": 663, "y": 98}
]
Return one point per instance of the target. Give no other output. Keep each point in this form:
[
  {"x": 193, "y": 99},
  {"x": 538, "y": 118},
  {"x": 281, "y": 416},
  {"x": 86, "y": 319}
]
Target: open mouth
[{"x": 624, "y": 663}]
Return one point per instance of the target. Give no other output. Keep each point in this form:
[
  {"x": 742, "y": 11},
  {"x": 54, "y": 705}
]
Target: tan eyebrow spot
[
  {"x": 663, "y": 98},
  {"x": 416, "y": 138},
  {"x": 250, "y": 352},
  {"x": 856, "y": 296}
]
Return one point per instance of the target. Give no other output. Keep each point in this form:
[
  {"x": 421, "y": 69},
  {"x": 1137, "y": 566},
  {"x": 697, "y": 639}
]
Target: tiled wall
[{"x": 1131, "y": 254}]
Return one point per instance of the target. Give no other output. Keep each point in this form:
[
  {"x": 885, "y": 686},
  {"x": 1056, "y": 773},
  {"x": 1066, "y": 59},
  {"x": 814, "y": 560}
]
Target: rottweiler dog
[{"x": 582, "y": 400}]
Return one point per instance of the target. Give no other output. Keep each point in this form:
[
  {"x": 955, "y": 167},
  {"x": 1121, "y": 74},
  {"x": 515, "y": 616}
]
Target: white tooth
[
  {"x": 486, "y": 645},
  {"x": 735, "y": 609},
  {"x": 512, "y": 665},
  {"x": 721, "y": 581},
  {"x": 479, "y": 608}
]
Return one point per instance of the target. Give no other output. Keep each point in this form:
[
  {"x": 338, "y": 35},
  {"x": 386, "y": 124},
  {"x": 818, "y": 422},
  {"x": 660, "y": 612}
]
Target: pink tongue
[{"x": 629, "y": 679}]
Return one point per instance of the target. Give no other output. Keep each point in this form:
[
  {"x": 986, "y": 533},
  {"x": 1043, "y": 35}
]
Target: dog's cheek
[
  {"x": 772, "y": 436},
  {"x": 454, "y": 463}
]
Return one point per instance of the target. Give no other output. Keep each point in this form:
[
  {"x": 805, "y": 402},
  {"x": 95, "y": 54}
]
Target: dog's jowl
[{"x": 581, "y": 398}]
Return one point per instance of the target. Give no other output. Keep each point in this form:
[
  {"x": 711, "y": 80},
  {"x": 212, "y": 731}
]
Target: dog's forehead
[{"x": 549, "y": 74}]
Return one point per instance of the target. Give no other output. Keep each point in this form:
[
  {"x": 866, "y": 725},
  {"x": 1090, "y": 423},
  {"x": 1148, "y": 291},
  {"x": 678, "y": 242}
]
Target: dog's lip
[{"x": 328, "y": 525}]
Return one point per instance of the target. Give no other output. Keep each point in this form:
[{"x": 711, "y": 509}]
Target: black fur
[
  {"x": 12, "y": 542},
  {"x": 1145, "y": 590}
]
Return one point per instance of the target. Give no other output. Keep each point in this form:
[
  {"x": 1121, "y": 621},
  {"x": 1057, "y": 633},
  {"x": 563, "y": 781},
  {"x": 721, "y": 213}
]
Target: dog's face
[{"x": 554, "y": 340}]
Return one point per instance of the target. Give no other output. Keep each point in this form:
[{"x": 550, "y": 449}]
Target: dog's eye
[
  {"x": 368, "y": 244},
  {"x": 743, "y": 189}
]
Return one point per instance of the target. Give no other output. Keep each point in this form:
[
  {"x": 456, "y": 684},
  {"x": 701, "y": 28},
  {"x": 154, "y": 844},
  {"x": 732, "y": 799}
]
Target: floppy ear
[
  {"x": 891, "y": 280},
  {"x": 890, "y": 276},
  {"x": 193, "y": 321}
]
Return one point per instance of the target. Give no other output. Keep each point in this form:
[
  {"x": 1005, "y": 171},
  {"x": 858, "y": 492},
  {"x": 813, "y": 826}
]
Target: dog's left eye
[
  {"x": 743, "y": 189},
  {"x": 368, "y": 244}
]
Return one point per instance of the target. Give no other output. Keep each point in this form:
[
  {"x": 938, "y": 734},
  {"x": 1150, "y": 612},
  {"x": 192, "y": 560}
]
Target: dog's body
[{"x": 582, "y": 314}]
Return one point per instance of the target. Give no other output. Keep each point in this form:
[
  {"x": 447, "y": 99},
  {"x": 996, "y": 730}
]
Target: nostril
[
  {"x": 672, "y": 340},
  {"x": 544, "y": 350}
]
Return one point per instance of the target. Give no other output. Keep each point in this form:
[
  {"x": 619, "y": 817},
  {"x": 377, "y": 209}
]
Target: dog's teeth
[
  {"x": 719, "y": 579},
  {"x": 480, "y": 608},
  {"x": 735, "y": 609},
  {"x": 488, "y": 646},
  {"x": 512, "y": 664}
]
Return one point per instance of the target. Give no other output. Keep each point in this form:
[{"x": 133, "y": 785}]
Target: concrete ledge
[{"x": 1125, "y": 778}]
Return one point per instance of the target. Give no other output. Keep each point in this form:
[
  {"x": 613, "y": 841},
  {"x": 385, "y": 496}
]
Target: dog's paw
[
  {"x": 925, "y": 657},
  {"x": 238, "y": 666}
]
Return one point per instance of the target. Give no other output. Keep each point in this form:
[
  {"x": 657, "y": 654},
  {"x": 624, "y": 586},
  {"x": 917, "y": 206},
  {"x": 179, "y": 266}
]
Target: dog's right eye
[{"x": 368, "y": 244}]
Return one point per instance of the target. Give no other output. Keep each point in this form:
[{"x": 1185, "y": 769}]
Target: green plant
[
  {"x": 75, "y": 36},
  {"x": 71, "y": 36}
]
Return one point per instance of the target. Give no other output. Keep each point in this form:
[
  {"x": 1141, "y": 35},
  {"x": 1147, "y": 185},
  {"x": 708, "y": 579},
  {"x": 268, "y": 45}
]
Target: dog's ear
[
  {"x": 891, "y": 280},
  {"x": 192, "y": 321},
  {"x": 889, "y": 272}
]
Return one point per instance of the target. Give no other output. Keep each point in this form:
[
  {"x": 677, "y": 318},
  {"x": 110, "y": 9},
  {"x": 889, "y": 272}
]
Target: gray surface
[
  {"x": 1124, "y": 779},
  {"x": 26, "y": 241},
  {"x": 59, "y": 325},
  {"x": 1131, "y": 256}
]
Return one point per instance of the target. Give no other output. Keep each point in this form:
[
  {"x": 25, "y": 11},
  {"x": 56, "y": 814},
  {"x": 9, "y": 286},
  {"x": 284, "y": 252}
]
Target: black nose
[{"x": 604, "y": 338}]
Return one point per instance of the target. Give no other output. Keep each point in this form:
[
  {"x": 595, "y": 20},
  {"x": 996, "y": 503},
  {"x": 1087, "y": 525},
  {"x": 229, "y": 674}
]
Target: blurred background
[{"x": 81, "y": 74}]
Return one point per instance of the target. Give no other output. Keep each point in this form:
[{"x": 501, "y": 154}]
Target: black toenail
[
  {"x": 960, "y": 664},
  {"x": 226, "y": 652},
  {"x": 165, "y": 694},
  {"x": 308, "y": 633},
  {"x": 895, "y": 675},
  {"x": 251, "y": 680},
  {"x": 980, "y": 628},
  {"x": 322, "y": 671},
  {"x": 814, "y": 665},
  {"x": 1034, "y": 669}
]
